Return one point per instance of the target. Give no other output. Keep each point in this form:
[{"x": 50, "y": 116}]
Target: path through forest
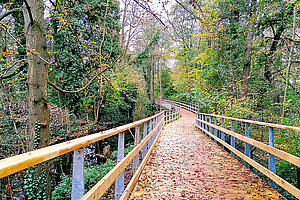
[{"x": 186, "y": 164}]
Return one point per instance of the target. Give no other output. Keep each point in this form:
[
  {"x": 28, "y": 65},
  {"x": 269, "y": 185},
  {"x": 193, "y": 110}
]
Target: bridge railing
[
  {"x": 190, "y": 106},
  {"x": 172, "y": 115},
  {"x": 208, "y": 123},
  {"x": 147, "y": 132}
]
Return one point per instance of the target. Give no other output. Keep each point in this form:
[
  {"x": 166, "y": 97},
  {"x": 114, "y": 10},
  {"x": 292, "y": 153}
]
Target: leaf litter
[{"x": 186, "y": 164}]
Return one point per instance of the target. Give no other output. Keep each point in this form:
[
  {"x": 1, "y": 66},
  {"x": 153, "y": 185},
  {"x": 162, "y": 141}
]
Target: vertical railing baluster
[
  {"x": 206, "y": 126},
  {"x": 200, "y": 118},
  {"x": 78, "y": 174},
  {"x": 222, "y": 133},
  {"x": 232, "y": 139},
  {"x": 144, "y": 150},
  {"x": 167, "y": 113},
  {"x": 216, "y": 130},
  {"x": 272, "y": 164},
  {"x": 298, "y": 177},
  {"x": 150, "y": 129},
  {"x": 153, "y": 126},
  {"x": 247, "y": 145},
  {"x": 119, "y": 184},
  {"x": 210, "y": 128},
  {"x": 197, "y": 121},
  {"x": 136, "y": 142},
  {"x": 156, "y": 123}
]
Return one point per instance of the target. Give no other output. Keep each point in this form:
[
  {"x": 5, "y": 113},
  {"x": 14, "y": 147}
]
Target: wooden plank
[
  {"x": 292, "y": 128},
  {"x": 136, "y": 176},
  {"x": 283, "y": 183},
  {"x": 100, "y": 188},
  {"x": 17, "y": 163},
  {"x": 279, "y": 153}
]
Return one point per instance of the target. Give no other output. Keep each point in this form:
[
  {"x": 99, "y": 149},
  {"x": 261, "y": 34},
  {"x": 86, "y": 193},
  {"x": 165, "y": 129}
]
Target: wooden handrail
[
  {"x": 172, "y": 114},
  {"x": 100, "y": 188},
  {"x": 279, "y": 126},
  {"x": 184, "y": 105},
  {"x": 292, "y": 128},
  {"x": 280, "y": 181},
  {"x": 277, "y": 152},
  {"x": 17, "y": 163},
  {"x": 136, "y": 176}
]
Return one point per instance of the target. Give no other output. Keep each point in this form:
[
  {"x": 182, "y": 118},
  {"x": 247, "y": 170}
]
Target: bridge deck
[{"x": 186, "y": 164}]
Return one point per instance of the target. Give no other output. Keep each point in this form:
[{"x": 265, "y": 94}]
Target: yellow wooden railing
[
  {"x": 217, "y": 133},
  {"x": 144, "y": 144}
]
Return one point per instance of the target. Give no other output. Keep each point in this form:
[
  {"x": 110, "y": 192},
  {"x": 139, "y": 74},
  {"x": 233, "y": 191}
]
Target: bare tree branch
[
  {"x": 18, "y": 70},
  {"x": 81, "y": 89},
  {"x": 150, "y": 11},
  {"x": 10, "y": 12},
  {"x": 29, "y": 12},
  {"x": 189, "y": 11}
]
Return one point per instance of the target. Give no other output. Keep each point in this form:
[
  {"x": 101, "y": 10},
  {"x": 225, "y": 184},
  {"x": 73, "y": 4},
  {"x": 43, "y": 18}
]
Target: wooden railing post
[
  {"x": 157, "y": 130},
  {"x": 222, "y": 133},
  {"x": 78, "y": 174},
  {"x": 197, "y": 121},
  {"x": 153, "y": 126},
  {"x": 144, "y": 150},
  {"x": 298, "y": 177},
  {"x": 232, "y": 139},
  {"x": 136, "y": 142},
  {"x": 166, "y": 118},
  {"x": 210, "y": 128},
  {"x": 272, "y": 164},
  {"x": 216, "y": 130},
  {"x": 247, "y": 145},
  {"x": 119, "y": 184},
  {"x": 150, "y": 129},
  {"x": 206, "y": 119}
]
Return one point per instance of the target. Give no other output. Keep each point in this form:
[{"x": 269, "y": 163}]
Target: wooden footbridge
[{"x": 183, "y": 155}]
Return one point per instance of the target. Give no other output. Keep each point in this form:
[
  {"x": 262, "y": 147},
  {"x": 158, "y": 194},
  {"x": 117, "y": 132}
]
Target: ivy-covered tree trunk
[
  {"x": 247, "y": 64},
  {"x": 38, "y": 181},
  {"x": 152, "y": 100}
]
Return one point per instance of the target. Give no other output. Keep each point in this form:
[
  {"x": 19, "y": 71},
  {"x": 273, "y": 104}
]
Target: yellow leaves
[
  {"x": 201, "y": 58},
  {"x": 8, "y": 5},
  {"x": 49, "y": 36},
  {"x": 4, "y": 53},
  {"x": 15, "y": 80}
]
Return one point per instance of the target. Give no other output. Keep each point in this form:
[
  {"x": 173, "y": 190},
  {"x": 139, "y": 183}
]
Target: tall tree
[
  {"x": 38, "y": 119},
  {"x": 247, "y": 64}
]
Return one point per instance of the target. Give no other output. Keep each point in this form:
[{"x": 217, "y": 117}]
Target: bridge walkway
[{"x": 186, "y": 164}]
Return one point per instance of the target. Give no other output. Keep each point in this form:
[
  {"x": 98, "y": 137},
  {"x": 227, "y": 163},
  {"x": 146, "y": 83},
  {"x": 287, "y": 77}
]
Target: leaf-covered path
[{"x": 186, "y": 164}]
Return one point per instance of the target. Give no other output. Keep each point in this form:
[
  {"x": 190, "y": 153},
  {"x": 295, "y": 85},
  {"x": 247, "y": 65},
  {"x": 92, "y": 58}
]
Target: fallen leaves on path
[{"x": 186, "y": 164}]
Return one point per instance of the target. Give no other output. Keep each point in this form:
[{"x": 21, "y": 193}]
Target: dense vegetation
[{"x": 73, "y": 68}]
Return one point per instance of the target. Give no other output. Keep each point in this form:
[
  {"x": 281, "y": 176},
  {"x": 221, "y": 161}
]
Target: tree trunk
[
  {"x": 38, "y": 119},
  {"x": 152, "y": 87},
  {"x": 247, "y": 64},
  {"x": 289, "y": 65}
]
